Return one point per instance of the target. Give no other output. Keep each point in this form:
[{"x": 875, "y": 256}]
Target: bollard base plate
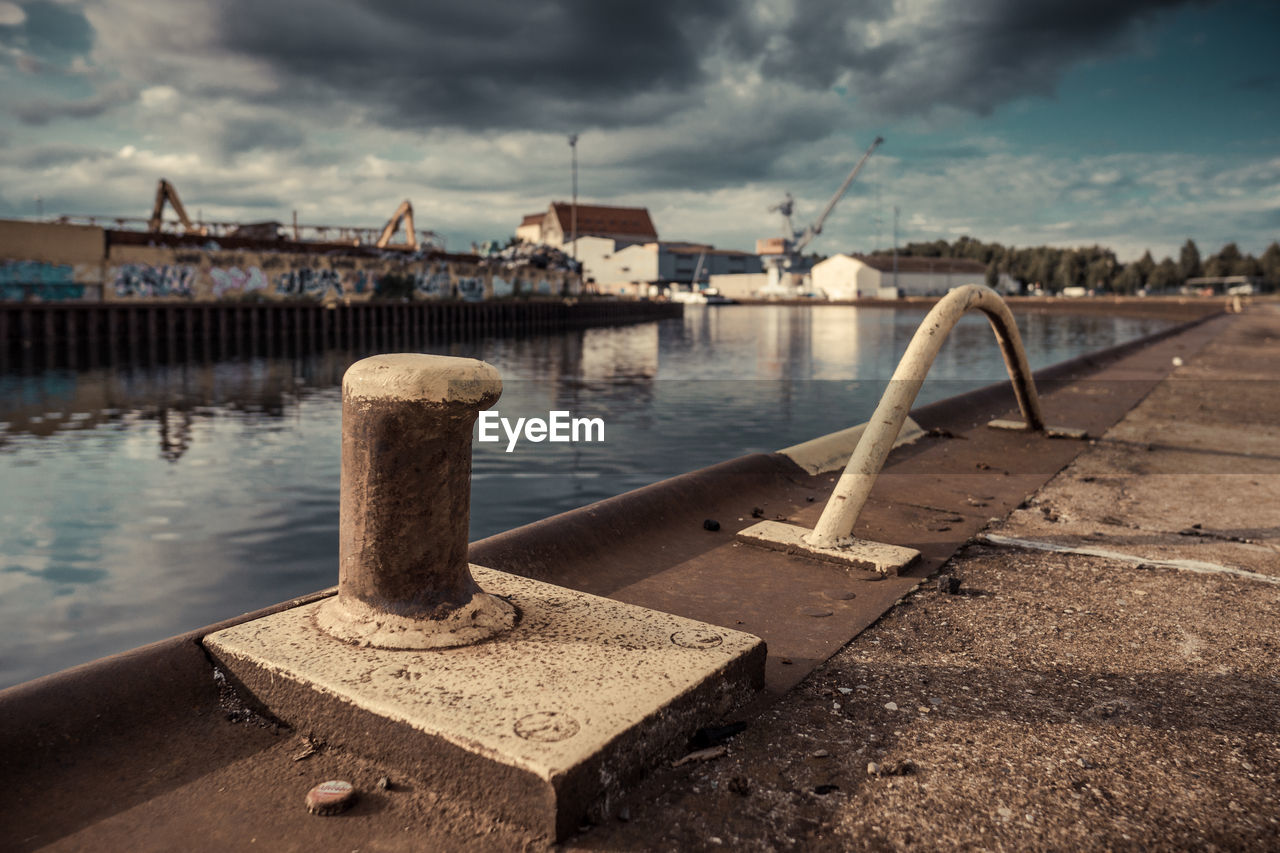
[
  {"x": 1050, "y": 431},
  {"x": 856, "y": 553},
  {"x": 543, "y": 725},
  {"x": 484, "y": 616}
]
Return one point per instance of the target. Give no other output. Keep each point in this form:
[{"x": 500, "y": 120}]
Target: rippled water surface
[{"x": 140, "y": 501}]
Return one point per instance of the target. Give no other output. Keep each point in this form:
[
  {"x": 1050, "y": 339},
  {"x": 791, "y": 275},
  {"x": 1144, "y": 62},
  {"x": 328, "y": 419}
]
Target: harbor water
[{"x": 143, "y": 500}]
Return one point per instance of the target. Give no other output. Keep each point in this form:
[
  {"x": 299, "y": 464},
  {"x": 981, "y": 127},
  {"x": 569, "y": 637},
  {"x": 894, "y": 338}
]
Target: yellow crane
[
  {"x": 403, "y": 213},
  {"x": 165, "y": 192}
]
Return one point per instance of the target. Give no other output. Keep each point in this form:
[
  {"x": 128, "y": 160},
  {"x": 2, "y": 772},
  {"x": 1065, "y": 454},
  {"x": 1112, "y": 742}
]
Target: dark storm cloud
[
  {"x": 491, "y": 64},
  {"x": 739, "y": 149},
  {"x": 971, "y": 55},
  {"x": 483, "y": 64}
]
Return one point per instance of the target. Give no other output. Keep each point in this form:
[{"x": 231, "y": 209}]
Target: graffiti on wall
[
  {"x": 225, "y": 275},
  {"x": 308, "y": 282},
  {"x": 356, "y": 281},
  {"x": 470, "y": 288},
  {"x": 40, "y": 280},
  {"x": 433, "y": 282},
  {"x": 152, "y": 281},
  {"x": 234, "y": 281}
]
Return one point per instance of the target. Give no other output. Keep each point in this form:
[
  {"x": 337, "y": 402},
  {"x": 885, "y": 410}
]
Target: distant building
[
  {"x": 624, "y": 225},
  {"x": 771, "y": 246},
  {"x": 843, "y": 277},
  {"x": 530, "y": 228},
  {"x": 685, "y": 260},
  {"x": 619, "y": 268},
  {"x": 755, "y": 285}
]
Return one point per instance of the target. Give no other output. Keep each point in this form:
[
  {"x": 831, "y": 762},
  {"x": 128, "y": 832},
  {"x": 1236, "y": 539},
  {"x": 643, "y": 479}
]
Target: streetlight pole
[
  {"x": 879, "y": 221},
  {"x": 895, "y": 247},
  {"x": 573, "y": 210}
]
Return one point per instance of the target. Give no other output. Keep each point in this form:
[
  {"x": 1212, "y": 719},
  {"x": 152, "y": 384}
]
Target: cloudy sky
[{"x": 1131, "y": 123}]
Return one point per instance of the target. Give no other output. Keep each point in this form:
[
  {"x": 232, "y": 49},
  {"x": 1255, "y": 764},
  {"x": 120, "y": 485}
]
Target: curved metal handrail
[{"x": 850, "y": 495}]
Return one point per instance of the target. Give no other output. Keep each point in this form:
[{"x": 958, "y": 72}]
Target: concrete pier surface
[
  {"x": 1054, "y": 701},
  {"x": 1086, "y": 655}
]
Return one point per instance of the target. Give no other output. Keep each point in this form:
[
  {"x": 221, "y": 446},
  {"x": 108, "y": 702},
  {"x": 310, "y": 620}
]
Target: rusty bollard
[{"x": 403, "y": 578}]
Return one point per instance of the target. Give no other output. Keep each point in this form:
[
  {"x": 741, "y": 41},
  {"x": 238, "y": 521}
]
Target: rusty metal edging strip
[{"x": 60, "y": 714}]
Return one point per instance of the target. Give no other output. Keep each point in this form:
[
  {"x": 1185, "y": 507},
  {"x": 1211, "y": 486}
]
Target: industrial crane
[
  {"x": 165, "y": 192},
  {"x": 403, "y": 213},
  {"x": 781, "y": 255}
]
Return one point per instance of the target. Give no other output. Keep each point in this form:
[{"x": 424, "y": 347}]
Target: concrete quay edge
[{"x": 178, "y": 748}]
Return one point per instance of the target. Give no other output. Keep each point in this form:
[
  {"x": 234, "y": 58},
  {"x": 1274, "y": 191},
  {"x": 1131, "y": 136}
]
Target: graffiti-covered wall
[
  {"x": 49, "y": 262},
  {"x": 209, "y": 274},
  {"x": 45, "y": 262},
  {"x": 45, "y": 281}
]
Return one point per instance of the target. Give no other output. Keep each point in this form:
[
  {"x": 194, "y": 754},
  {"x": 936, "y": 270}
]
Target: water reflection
[{"x": 143, "y": 500}]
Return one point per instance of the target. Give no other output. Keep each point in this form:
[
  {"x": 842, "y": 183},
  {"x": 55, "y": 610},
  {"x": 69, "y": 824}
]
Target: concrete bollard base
[
  {"x": 543, "y": 725},
  {"x": 483, "y": 617}
]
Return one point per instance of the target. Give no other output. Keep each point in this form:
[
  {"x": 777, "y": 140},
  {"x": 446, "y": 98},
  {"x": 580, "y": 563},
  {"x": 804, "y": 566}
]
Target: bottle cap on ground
[{"x": 332, "y": 797}]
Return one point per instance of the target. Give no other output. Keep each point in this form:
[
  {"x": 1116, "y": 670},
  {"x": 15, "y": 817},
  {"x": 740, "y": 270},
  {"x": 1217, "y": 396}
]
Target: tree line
[{"x": 1097, "y": 267}]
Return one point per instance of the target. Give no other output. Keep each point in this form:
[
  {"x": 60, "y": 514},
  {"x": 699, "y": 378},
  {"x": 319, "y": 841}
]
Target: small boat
[{"x": 707, "y": 296}]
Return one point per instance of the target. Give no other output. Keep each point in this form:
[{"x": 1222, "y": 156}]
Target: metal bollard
[{"x": 404, "y": 581}]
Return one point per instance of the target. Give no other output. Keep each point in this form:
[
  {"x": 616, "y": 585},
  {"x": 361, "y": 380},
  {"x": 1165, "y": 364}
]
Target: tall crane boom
[
  {"x": 801, "y": 240},
  {"x": 403, "y": 213},
  {"x": 165, "y": 192},
  {"x": 782, "y": 258}
]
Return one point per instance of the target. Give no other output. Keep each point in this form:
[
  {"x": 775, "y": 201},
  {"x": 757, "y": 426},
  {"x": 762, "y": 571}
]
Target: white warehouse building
[
  {"x": 632, "y": 269},
  {"x": 846, "y": 277}
]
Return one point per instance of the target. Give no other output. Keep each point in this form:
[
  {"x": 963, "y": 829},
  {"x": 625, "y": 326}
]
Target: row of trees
[{"x": 1098, "y": 268}]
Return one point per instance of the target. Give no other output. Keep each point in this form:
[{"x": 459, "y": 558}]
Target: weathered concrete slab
[
  {"x": 1238, "y": 526},
  {"x": 1191, "y": 473},
  {"x": 538, "y": 726},
  {"x": 1056, "y": 703},
  {"x": 1058, "y": 700}
]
